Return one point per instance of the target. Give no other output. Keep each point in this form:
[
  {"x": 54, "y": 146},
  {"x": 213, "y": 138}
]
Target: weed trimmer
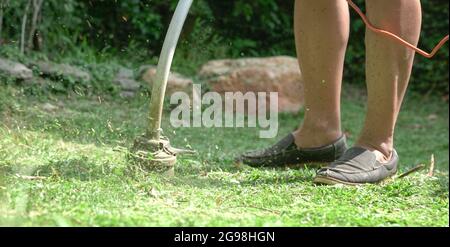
[{"x": 152, "y": 151}]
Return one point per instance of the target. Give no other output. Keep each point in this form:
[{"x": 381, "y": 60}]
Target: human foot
[
  {"x": 357, "y": 166},
  {"x": 383, "y": 152},
  {"x": 315, "y": 136}
]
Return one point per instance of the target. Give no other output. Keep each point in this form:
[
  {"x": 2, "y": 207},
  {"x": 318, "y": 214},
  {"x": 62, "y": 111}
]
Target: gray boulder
[
  {"x": 15, "y": 70},
  {"x": 125, "y": 80},
  {"x": 65, "y": 71}
]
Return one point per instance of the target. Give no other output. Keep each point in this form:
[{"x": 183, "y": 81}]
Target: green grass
[{"x": 79, "y": 150}]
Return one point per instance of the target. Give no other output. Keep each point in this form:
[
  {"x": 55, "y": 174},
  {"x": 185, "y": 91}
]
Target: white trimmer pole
[
  {"x": 163, "y": 69},
  {"x": 152, "y": 151}
]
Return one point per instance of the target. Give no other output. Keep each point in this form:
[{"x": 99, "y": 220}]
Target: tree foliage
[{"x": 239, "y": 28}]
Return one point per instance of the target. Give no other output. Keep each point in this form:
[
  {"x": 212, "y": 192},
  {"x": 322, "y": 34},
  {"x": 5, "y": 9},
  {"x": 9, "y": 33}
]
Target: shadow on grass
[
  {"x": 226, "y": 173},
  {"x": 81, "y": 169},
  {"x": 441, "y": 190}
]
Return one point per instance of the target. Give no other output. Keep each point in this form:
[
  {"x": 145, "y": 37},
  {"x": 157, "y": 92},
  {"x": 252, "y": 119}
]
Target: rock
[
  {"x": 127, "y": 94},
  {"x": 49, "y": 107},
  {"x": 63, "y": 70},
  {"x": 432, "y": 117},
  {"x": 175, "y": 83},
  {"x": 273, "y": 74},
  {"x": 125, "y": 73},
  {"x": 128, "y": 84},
  {"x": 125, "y": 79},
  {"x": 15, "y": 69}
]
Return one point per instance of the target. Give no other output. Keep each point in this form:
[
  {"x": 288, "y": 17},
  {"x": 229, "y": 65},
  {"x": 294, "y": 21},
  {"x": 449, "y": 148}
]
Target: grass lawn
[{"x": 67, "y": 167}]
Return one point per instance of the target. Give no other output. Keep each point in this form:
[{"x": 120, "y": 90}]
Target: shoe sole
[{"x": 333, "y": 181}]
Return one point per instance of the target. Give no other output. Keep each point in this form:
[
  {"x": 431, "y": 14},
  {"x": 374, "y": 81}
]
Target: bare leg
[
  {"x": 321, "y": 32},
  {"x": 388, "y": 69}
]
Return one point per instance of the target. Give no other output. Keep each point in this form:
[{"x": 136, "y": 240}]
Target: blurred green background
[{"x": 92, "y": 30}]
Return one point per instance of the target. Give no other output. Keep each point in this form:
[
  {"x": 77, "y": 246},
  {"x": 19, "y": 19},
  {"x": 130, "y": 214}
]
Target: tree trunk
[
  {"x": 24, "y": 25},
  {"x": 1, "y": 22},
  {"x": 3, "y": 4},
  {"x": 37, "y": 5}
]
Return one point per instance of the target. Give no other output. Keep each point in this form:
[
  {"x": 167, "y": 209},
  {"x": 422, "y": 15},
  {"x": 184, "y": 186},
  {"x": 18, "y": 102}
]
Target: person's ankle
[
  {"x": 382, "y": 150},
  {"x": 315, "y": 136}
]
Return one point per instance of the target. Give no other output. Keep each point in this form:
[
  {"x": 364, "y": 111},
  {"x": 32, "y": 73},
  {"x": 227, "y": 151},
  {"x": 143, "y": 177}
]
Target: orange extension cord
[{"x": 396, "y": 37}]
